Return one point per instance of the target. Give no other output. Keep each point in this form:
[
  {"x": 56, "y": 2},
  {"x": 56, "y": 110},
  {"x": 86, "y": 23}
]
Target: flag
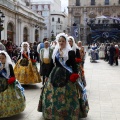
[{"x": 75, "y": 31}]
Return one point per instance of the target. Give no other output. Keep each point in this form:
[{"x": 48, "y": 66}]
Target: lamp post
[
  {"x": 1, "y": 22},
  {"x": 85, "y": 26},
  {"x": 52, "y": 37}
]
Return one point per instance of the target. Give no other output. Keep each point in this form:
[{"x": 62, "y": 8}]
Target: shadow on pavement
[
  {"x": 29, "y": 86},
  {"x": 15, "y": 117}
]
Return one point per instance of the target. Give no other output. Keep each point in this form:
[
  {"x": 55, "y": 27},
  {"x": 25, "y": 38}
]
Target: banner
[
  {"x": 75, "y": 31},
  {"x": 115, "y": 35}
]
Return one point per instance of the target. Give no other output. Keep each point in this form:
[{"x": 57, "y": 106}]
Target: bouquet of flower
[
  {"x": 11, "y": 80},
  {"x": 78, "y": 60},
  {"x": 74, "y": 77}
]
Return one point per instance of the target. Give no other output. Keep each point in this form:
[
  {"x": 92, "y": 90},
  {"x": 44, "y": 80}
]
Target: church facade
[{"x": 82, "y": 10}]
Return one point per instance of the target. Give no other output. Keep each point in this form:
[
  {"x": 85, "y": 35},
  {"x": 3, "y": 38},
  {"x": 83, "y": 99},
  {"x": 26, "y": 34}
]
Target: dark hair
[
  {"x": 44, "y": 39},
  {"x": 2, "y": 54},
  {"x": 63, "y": 37}
]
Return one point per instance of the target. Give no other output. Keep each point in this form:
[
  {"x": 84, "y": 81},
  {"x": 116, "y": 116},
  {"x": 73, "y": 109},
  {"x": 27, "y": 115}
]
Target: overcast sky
[{"x": 64, "y": 4}]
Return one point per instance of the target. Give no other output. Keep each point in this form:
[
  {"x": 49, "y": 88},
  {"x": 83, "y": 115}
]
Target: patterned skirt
[
  {"x": 27, "y": 74},
  {"x": 12, "y": 101},
  {"x": 63, "y": 103}
]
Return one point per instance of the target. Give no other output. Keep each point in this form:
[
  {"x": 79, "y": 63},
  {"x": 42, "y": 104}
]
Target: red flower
[
  {"x": 74, "y": 77},
  {"x": 11, "y": 80},
  {"x": 78, "y": 60},
  {"x": 34, "y": 61}
]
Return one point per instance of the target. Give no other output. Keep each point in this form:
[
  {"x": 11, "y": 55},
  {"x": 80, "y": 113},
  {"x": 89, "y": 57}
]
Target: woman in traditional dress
[
  {"x": 25, "y": 69},
  {"x": 12, "y": 99},
  {"x": 102, "y": 51},
  {"x": 60, "y": 98},
  {"x": 74, "y": 46},
  {"x": 82, "y": 52},
  {"x": 94, "y": 53},
  {"x": 78, "y": 59}
]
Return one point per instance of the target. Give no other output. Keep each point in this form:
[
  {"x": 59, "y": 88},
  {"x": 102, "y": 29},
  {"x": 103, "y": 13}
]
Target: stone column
[
  {"x": 32, "y": 33},
  {"x": 41, "y": 34},
  {"x": 85, "y": 27},
  {"x": 19, "y": 29}
]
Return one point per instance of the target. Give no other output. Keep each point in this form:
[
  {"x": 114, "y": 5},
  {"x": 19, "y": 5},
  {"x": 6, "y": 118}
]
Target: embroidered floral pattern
[
  {"x": 62, "y": 103},
  {"x": 9, "y": 103},
  {"x": 27, "y": 74}
]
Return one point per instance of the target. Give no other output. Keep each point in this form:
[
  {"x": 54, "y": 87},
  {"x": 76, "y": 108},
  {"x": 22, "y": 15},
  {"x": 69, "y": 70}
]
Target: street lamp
[
  {"x": 52, "y": 37},
  {"x": 2, "y": 18},
  {"x": 85, "y": 26}
]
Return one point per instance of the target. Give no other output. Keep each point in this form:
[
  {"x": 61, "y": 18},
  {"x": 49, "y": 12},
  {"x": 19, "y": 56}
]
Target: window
[
  {"x": 39, "y": 7},
  {"x": 58, "y": 20},
  {"x": 60, "y": 27},
  {"x": 106, "y": 2},
  {"x": 52, "y": 19},
  {"x": 77, "y": 2},
  {"x": 77, "y": 20},
  {"x": 92, "y": 2},
  {"x": 33, "y": 7},
  {"x": 46, "y": 7},
  {"x": 25, "y": 34},
  {"x": 45, "y": 13}
]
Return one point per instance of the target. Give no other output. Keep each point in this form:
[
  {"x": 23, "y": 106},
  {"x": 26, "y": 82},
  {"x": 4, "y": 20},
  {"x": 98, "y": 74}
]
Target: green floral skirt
[
  {"x": 63, "y": 103},
  {"x": 12, "y": 102}
]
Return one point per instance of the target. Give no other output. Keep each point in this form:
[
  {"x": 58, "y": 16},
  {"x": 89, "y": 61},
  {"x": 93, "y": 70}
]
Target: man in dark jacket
[{"x": 112, "y": 54}]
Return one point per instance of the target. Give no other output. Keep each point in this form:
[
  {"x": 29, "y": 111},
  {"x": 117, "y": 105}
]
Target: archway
[
  {"x": 25, "y": 34},
  {"x": 36, "y": 35},
  {"x": 10, "y": 32}
]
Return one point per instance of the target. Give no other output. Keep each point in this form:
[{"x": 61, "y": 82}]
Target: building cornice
[{"x": 19, "y": 9}]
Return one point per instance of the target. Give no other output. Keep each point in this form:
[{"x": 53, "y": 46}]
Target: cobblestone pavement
[{"x": 103, "y": 89}]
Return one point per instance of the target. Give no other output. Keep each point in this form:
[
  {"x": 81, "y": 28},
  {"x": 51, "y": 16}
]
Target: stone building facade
[
  {"x": 44, "y": 8},
  {"x": 21, "y": 23},
  {"x": 58, "y": 22},
  {"x": 81, "y": 10}
]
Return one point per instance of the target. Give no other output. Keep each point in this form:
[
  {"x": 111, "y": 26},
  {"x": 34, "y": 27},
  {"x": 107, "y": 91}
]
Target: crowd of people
[
  {"x": 61, "y": 72},
  {"x": 110, "y": 52}
]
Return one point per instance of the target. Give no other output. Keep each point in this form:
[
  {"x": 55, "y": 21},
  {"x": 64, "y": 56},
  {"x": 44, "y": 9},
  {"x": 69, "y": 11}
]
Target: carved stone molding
[
  {"x": 92, "y": 14},
  {"x": 19, "y": 20},
  {"x": 70, "y": 10},
  {"x": 106, "y": 13},
  {"x": 76, "y": 14}
]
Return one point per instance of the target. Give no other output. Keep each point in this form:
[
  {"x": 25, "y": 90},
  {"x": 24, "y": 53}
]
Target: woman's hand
[{"x": 46, "y": 79}]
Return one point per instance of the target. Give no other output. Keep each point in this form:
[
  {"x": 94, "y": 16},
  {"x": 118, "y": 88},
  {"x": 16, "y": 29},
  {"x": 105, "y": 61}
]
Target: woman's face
[
  {"x": 25, "y": 46},
  {"x": 70, "y": 42},
  {"x": 79, "y": 44},
  {"x": 2, "y": 59},
  {"x": 62, "y": 42}
]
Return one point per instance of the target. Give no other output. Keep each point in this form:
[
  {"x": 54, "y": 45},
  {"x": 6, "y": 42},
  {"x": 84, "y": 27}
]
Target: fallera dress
[
  {"x": 12, "y": 100},
  {"x": 65, "y": 101},
  {"x": 27, "y": 73}
]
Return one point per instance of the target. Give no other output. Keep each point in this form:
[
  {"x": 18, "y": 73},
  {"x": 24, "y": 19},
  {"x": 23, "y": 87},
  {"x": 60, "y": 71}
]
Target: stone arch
[
  {"x": 25, "y": 34},
  {"x": 36, "y": 35},
  {"x": 10, "y": 31}
]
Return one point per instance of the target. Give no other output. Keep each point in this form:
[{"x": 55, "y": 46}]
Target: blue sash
[
  {"x": 84, "y": 94},
  {"x": 62, "y": 62},
  {"x": 18, "y": 85},
  {"x": 3, "y": 72}
]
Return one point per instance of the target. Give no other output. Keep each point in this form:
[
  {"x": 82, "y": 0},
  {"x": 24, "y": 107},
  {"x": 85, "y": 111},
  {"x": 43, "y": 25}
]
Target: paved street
[{"x": 103, "y": 88}]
